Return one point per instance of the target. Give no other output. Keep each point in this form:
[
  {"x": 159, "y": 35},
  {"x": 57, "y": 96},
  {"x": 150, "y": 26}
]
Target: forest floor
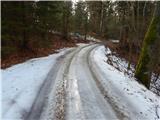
[
  {"x": 76, "y": 83},
  {"x": 121, "y": 52},
  {"x": 56, "y": 43}
]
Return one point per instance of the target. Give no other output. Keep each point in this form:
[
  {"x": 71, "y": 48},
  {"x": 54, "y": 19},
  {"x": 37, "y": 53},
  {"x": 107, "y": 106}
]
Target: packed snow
[
  {"x": 131, "y": 97},
  {"x": 114, "y": 41},
  {"x": 21, "y": 83},
  {"x": 84, "y": 100},
  {"x": 95, "y": 89}
]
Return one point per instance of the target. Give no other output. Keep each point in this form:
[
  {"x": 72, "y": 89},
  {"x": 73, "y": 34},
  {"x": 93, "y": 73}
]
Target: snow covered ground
[
  {"x": 90, "y": 38},
  {"x": 86, "y": 87},
  {"x": 121, "y": 64},
  {"x": 131, "y": 97},
  {"x": 21, "y": 83}
]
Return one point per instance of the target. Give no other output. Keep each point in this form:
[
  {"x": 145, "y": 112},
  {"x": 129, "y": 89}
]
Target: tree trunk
[
  {"x": 137, "y": 28},
  {"x": 101, "y": 19},
  {"x": 65, "y": 32},
  {"x": 144, "y": 14},
  {"x": 130, "y": 56},
  {"x": 66, "y": 20},
  {"x": 86, "y": 24},
  {"x": 143, "y": 71},
  {"x": 24, "y": 34},
  {"x": 132, "y": 29}
]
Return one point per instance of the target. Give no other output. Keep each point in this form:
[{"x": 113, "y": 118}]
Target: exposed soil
[{"x": 56, "y": 43}]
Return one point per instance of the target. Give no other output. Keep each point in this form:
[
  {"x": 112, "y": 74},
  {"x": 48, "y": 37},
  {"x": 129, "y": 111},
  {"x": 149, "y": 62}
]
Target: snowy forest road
[
  {"x": 77, "y": 88},
  {"x": 73, "y": 91}
]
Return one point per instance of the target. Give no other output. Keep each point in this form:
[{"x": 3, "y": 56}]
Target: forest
[
  {"x": 31, "y": 29},
  {"x": 33, "y": 25}
]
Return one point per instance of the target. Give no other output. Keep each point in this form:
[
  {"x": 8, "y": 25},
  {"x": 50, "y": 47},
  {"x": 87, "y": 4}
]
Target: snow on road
[
  {"x": 85, "y": 87},
  {"x": 84, "y": 98},
  {"x": 127, "y": 94},
  {"x": 21, "y": 83}
]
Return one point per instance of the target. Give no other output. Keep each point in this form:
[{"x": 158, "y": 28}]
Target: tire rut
[
  {"x": 40, "y": 99},
  {"x": 60, "y": 108},
  {"x": 120, "y": 114}
]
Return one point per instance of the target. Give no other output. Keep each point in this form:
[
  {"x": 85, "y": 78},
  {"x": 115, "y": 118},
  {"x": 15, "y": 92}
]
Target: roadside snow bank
[
  {"x": 121, "y": 64},
  {"x": 21, "y": 83},
  {"x": 126, "y": 93}
]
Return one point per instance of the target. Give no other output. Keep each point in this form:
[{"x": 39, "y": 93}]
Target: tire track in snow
[
  {"x": 60, "y": 74},
  {"x": 60, "y": 109},
  {"x": 93, "y": 105},
  {"x": 57, "y": 99},
  {"x": 42, "y": 96},
  {"x": 119, "y": 112}
]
